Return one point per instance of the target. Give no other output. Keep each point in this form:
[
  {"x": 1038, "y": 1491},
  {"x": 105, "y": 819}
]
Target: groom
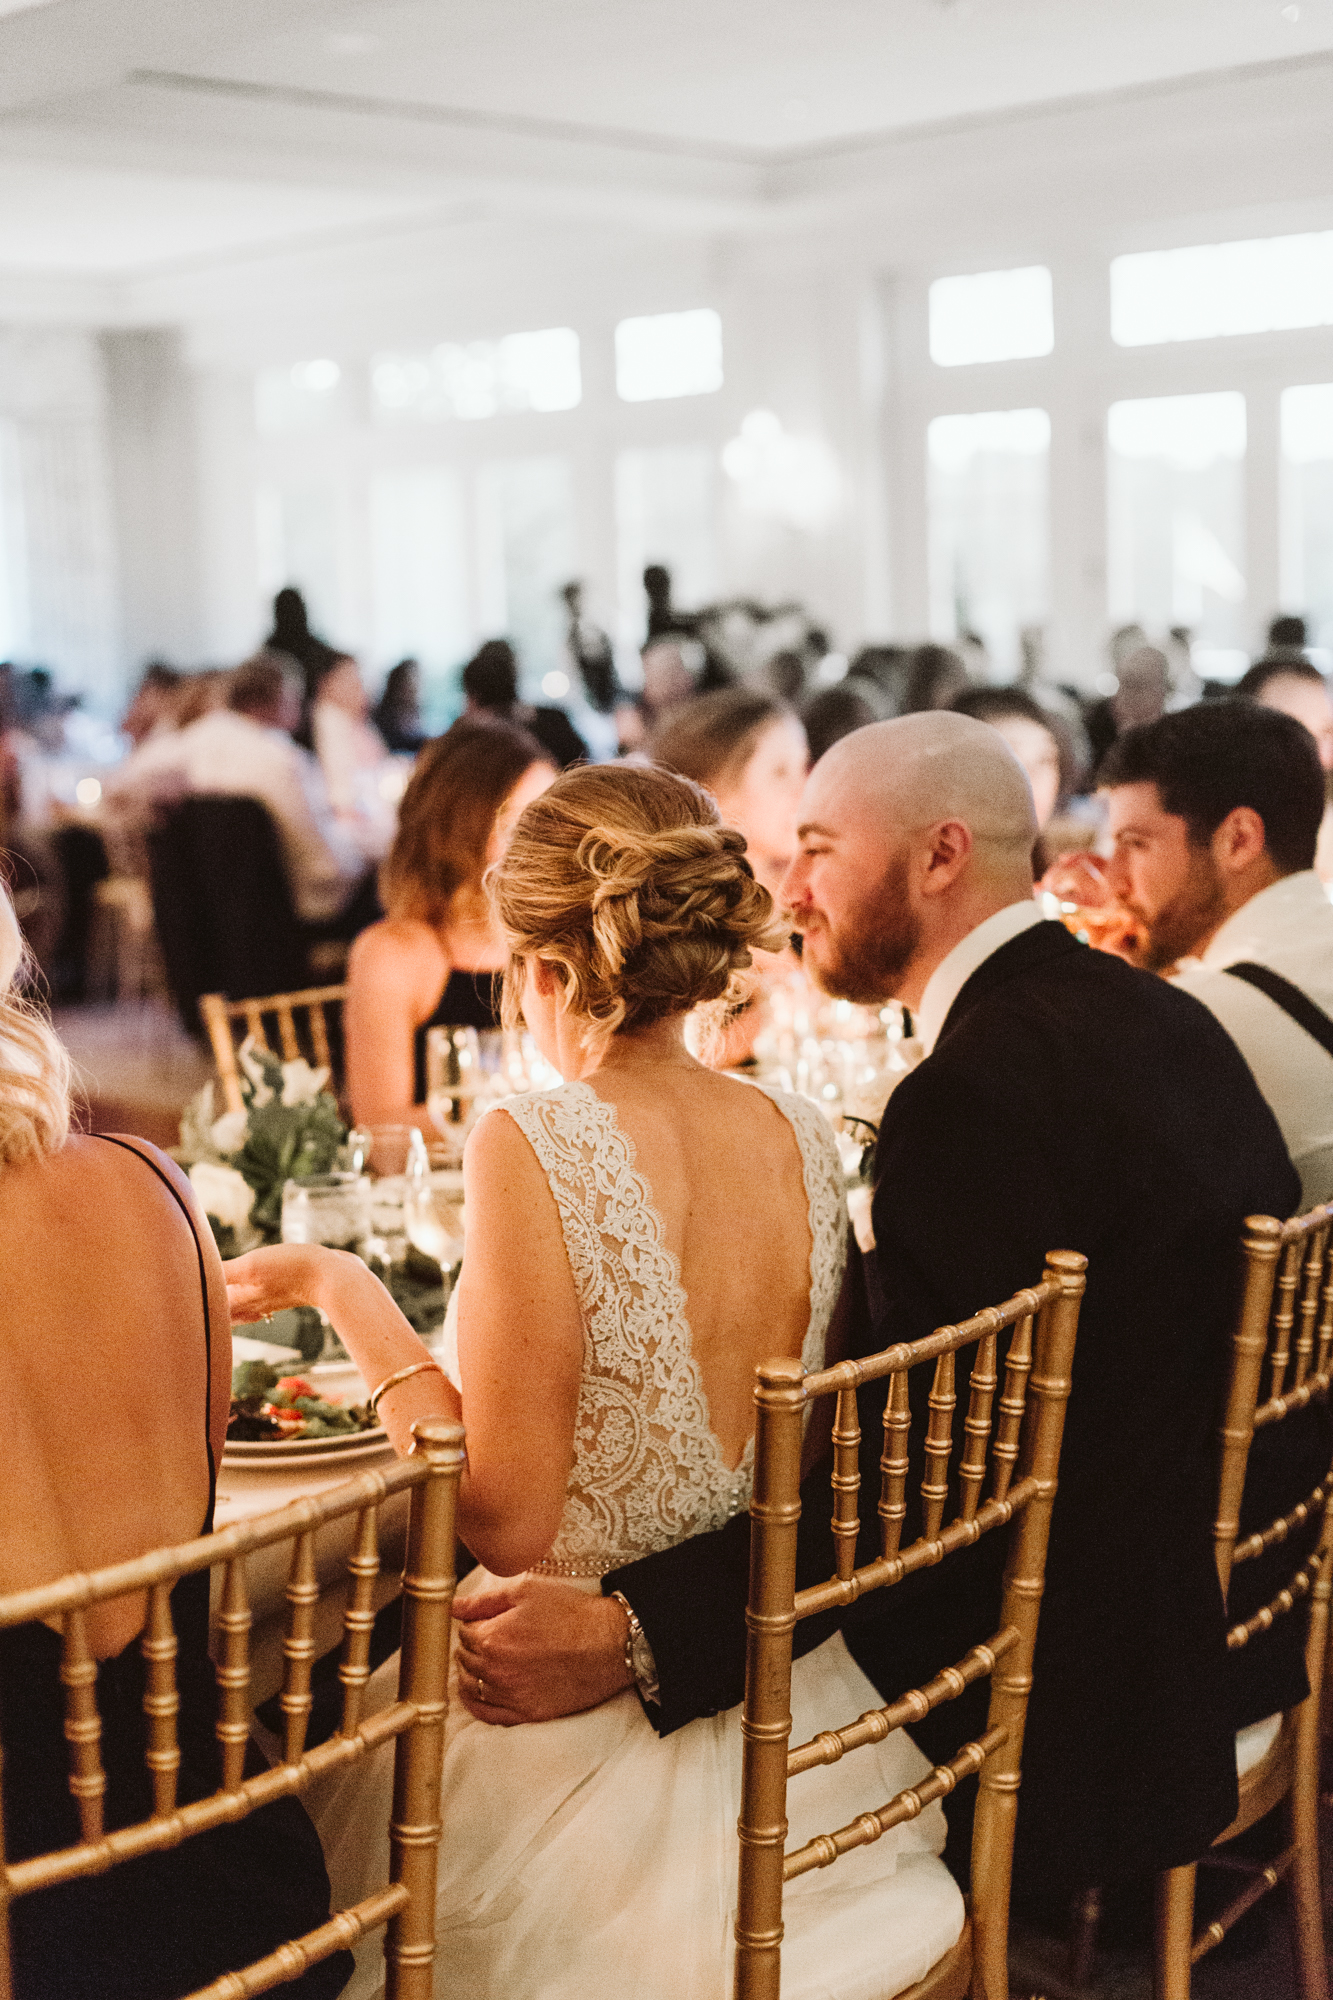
[{"x": 1066, "y": 1101}]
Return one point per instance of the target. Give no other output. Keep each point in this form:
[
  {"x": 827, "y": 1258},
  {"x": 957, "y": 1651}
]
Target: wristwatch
[{"x": 639, "y": 1661}]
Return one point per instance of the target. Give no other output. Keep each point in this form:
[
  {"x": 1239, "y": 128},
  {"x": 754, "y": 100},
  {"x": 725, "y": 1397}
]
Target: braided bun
[{"x": 624, "y": 881}]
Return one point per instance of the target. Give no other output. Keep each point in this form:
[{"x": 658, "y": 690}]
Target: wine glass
[
  {"x": 393, "y": 1157},
  {"x": 332, "y": 1209},
  {"x": 453, "y": 1083}
]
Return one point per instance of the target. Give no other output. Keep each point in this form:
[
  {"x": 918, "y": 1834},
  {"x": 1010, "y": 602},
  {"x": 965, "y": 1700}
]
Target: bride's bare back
[
  {"x": 725, "y": 1176},
  {"x": 102, "y": 1355}
]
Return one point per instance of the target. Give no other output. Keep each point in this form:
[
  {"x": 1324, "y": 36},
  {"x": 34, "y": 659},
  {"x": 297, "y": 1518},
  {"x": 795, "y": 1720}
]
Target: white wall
[{"x": 820, "y": 267}]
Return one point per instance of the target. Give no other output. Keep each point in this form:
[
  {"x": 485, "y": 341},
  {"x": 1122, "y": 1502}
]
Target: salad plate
[{"x": 278, "y": 1453}]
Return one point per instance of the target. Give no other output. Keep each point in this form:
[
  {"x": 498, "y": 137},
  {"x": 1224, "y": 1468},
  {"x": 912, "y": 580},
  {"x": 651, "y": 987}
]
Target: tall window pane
[
  {"x": 526, "y": 545},
  {"x": 669, "y": 354},
  {"x": 1176, "y": 517},
  {"x": 1264, "y": 286},
  {"x": 1307, "y": 506},
  {"x": 303, "y": 398},
  {"x": 419, "y": 564},
  {"x": 298, "y": 535},
  {"x": 989, "y": 527},
  {"x": 991, "y": 316},
  {"x": 664, "y": 514}
]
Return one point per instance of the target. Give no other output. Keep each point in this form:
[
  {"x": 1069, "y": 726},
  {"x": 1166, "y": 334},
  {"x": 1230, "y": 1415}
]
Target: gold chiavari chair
[
  {"x": 1288, "y": 1290},
  {"x": 1027, "y": 1429},
  {"x": 407, "y": 1901},
  {"x": 221, "y": 1017}
]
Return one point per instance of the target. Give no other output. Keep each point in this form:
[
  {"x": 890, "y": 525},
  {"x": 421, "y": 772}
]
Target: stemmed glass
[
  {"x": 332, "y": 1209},
  {"x": 394, "y": 1159},
  {"x": 454, "y": 1081}
]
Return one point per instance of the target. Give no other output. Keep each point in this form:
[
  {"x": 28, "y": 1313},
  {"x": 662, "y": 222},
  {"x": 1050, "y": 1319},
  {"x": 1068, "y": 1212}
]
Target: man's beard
[
  {"x": 1184, "y": 925},
  {"x": 865, "y": 961}
]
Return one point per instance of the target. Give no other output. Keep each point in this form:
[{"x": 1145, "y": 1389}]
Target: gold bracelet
[{"x": 402, "y": 1375}]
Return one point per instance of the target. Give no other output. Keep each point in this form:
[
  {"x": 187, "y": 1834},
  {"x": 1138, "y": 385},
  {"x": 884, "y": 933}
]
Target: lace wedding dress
[{"x": 587, "y": 1857}]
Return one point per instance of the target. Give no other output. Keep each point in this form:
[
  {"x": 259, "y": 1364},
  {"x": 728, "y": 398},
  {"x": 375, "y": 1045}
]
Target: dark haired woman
[{"x": 432, "y": 961}]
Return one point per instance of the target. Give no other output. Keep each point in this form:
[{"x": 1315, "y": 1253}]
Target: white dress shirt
[
  {"x": 951, "y": 975},
  {"x": 231, "y": 753},
  {"x": 1288, "y": 927}
]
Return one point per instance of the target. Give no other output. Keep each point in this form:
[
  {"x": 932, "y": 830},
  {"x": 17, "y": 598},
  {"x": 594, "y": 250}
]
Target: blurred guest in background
[
  {"x": 151, "y": 705},
  {"x": 836, "y": 711},
  {"x": 200, "y": 694},
  {"x": 291, "y": 635},
  {"x": 1288, "y": 682},
  {"x": 397, "y": 713},
  {"x": 352, "y": 756},
  {"x": 1030, "y": 734},
  {"x": 749, "y": 750},
  {"x": 246, "y": 750},
  {"x": 432, "y": 961},
  {"x": 1144, "y": 677},
  {"x": 936, "y": 677},
  {"x": 1286, "y": 635},
  {"x": 590, "y": 654},
  {"x": 490, "y": 682}
]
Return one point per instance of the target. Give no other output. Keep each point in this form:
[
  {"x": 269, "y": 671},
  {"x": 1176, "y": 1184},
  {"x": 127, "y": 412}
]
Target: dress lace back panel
[{"x": 648, "y": 1470}]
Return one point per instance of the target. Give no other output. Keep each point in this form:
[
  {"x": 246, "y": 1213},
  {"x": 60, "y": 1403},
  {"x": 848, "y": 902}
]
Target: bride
[{"x": 638, "y": 1240}]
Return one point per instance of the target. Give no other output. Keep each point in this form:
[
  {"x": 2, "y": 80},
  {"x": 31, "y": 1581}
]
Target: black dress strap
[
  {"x": 128, "y": 1146},
  {"x": 1298, "y": 1006}
]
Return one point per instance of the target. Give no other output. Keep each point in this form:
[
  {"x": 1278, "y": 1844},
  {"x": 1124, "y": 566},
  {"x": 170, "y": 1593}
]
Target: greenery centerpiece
[{"x": 289, "y": 1128}]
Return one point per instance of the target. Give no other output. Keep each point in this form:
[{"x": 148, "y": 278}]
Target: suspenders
[{"x": 1299, "y": 1006}]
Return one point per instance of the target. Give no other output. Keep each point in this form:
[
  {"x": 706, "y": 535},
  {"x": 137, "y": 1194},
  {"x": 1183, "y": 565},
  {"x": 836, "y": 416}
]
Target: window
[
  {"x": 1176, "y": 518},
  {"x": 302, "y": 398},
  {"x": 664, "y": 514},
  {"x": 1263, "y": 286},
  {"x": 989, "y": 528},
  {"x": 1307, "y": 507},
  {"x": 525, "y": 526},
  {"x": 419, "y": 565},
  {"x": 991, "y": 316},
  {"x": 669, "y": 354},
  {"x": 481, "y": 378},
  {"x": 298, "y": 530}
]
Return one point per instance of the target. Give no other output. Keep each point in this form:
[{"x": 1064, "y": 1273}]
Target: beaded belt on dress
[{"x": 552, "y": 1566}]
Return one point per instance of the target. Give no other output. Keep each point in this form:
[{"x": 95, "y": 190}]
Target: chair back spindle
[
  {"x": 308, "y": 1023},
  {"x": 414, "y": 1722},
  {"x": 1024, "y": 1455}
]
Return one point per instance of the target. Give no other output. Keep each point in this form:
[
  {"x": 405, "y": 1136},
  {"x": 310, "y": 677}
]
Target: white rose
[
  {"x": 228, "y": 1132},
  {"x": 222, "y": 1193},
  {"x": 300, "y": 1083}
]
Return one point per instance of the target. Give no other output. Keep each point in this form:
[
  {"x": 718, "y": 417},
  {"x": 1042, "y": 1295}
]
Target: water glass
[
  {"x": 394, "y": 1158},
  {"x": 332, "y": 1209}
]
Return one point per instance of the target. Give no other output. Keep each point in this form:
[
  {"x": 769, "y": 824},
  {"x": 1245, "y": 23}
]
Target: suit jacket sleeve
[{"x": 691, "y": 1599}]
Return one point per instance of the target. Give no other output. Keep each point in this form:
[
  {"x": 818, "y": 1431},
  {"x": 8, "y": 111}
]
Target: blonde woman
[
  {"x": 638, "y": 1240},
  {"x": 434, "y": 959},
  {"x": 115, "y": 1353}
]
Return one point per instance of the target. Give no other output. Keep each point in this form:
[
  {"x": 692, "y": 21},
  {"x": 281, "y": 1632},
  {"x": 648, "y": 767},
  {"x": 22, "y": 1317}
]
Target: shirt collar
[
  {"x": 1267, "y": 919},
  {"x": 950, "y": 976}
]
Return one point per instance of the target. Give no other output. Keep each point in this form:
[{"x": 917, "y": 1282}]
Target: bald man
[{"x": 1066, "y": 1101}]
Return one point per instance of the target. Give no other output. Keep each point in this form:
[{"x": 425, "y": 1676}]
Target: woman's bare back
[
  {"x": 102, "y": 1426},
  {"x": 725, "y": 1175}
]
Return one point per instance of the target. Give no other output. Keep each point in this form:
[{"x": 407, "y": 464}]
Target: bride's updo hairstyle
[
  {"x": 626, "y": 883},
  {"x": 34, "y": 1069}
]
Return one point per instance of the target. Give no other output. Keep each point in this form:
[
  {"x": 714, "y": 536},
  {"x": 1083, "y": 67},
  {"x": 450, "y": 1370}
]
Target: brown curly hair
[
  {"x": 624, "y": 880},
  {"x": 460, "y": 784}
]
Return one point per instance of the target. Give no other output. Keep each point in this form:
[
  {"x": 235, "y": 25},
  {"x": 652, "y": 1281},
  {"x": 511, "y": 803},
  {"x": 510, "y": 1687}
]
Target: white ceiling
[
  {"x": 758, "y": 76},
  {"x": 137, "y": 135}
]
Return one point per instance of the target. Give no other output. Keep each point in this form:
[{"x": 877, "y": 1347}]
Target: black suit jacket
[{"x": 1075, "y": 1103}]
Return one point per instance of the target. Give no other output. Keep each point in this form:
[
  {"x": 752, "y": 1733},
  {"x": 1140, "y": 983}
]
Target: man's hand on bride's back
[{"x": 531, "y": 1648}]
